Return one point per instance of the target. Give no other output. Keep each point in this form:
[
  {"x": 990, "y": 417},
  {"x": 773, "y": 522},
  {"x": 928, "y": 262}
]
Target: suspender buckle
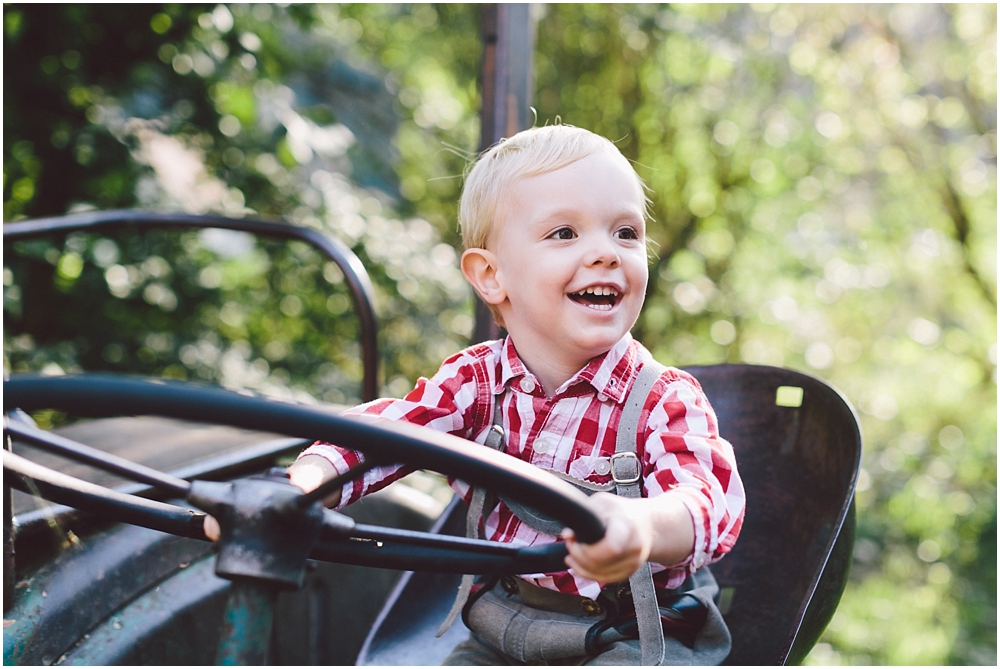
[{"x": 625, "y": 468}]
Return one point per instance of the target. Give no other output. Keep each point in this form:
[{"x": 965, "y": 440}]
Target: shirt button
[
  {"x": 543, "y": 446},
  {"x": 601, "y": 397},
  {"x": 602, "y": 466},
  {"x": 527, "y": 385}
]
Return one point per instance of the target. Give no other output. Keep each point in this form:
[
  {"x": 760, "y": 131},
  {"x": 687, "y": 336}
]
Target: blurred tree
[
  {"x": 257, "y": 110},
  {"x": 824, "y": 180},
  {"x": 824, "y": 188}
]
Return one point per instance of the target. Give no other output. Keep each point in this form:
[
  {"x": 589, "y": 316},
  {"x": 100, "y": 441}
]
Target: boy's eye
[
  {"x": 628, "y": 233},
  {"x": 564, "y": 233}
]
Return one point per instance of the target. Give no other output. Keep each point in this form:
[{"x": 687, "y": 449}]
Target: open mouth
[{"x": 602, "y": 298}]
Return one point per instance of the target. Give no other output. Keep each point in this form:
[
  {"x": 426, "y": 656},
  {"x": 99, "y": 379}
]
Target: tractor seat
[{"x": 798, "y": 447}]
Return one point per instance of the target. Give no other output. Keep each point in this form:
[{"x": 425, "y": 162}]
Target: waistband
[
  {"x": 614, "y": 597},
  {"x": 550, "y": 600}
]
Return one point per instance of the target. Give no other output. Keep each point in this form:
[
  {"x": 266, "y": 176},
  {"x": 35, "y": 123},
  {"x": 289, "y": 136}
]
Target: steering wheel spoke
[
  {"x": 53, "y": 443},
  {"x": 33, "y": 478}
]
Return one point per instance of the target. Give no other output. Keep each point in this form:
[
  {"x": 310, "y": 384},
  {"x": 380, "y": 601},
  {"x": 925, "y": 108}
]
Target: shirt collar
[{"x": 609, "y": 374}]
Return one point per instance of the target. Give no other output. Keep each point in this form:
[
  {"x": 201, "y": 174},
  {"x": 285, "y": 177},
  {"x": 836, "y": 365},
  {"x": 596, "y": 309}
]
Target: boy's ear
[{"x": 480, "y": 269}]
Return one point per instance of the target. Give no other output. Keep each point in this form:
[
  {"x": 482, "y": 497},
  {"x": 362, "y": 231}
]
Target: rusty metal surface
[
  {"x": 246, "y": 624},
  {"x": 86, "y": 583},
  {"x": 178, "y": 622}
]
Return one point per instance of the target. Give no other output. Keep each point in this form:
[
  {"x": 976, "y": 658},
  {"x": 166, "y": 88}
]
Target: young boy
[{"x": 554, "y": 226}]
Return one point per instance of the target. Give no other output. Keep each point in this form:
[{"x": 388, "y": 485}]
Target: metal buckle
[{"x": 614, "y": 469}]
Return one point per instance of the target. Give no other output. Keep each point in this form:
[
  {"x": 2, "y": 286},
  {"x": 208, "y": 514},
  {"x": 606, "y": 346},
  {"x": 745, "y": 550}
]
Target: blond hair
[{"x": 528, "y": 153}]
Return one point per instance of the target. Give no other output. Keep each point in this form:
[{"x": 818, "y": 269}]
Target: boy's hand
[
  {"x": 627, "y": 541},
  {"x": 637, "y": 530},
  {"x": 307, "y": 473}
]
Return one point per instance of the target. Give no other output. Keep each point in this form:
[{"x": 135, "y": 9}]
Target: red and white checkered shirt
[{"x": 573, "y": 433}]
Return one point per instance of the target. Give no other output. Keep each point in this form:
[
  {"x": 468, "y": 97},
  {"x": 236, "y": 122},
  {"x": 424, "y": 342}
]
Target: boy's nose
[{"x": 603, "y": 252}]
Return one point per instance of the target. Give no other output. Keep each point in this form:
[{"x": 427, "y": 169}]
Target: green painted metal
[
  {"x": 176, "y": 621},
  {"x": 21, "y": 622},
  {"x": 88, "y": 582},
  {"x": 246, "y": 625}
]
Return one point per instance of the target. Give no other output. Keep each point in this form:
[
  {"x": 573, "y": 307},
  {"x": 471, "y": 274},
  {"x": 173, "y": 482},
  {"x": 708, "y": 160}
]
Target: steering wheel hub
[{"x": 264, "y": 535}]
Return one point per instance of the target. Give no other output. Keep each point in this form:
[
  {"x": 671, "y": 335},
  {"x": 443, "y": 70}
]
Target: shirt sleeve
[
  {"x": 445, "y": 403},
  {"x": 688, "y": 458}
]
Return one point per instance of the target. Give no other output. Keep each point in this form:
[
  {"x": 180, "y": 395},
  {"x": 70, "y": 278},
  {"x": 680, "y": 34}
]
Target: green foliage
[
  {"x": 251, "y": 110},
  {"x": 824, "y": 188},
  {"x": 823, "y": 181}
]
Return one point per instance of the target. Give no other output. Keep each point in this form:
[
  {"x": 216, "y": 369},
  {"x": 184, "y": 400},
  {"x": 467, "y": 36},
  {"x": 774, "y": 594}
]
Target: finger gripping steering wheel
[{"x": 384, "y": 442}]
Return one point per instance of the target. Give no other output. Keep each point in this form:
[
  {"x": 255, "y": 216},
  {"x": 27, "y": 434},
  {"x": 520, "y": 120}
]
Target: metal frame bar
[
  {"x": 53, "y": 443},
  {"x": 358, "y": 282}
]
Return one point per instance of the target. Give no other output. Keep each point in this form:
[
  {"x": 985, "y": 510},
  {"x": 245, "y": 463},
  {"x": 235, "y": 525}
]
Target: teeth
[{"x": 601, "y": 290}]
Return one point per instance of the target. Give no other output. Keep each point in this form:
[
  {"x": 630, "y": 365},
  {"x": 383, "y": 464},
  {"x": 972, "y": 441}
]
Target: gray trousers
[
  {"x": 535, "y": 636},
  {"x": 475, "y": 652}
]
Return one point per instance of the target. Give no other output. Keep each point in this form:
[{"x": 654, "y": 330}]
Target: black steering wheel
[{"x": 267, "y": 514}]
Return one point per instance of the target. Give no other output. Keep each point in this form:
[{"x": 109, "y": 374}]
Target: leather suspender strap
[
  {"x": 494, "y": 440},
  {"x": 626, "y": 470}
]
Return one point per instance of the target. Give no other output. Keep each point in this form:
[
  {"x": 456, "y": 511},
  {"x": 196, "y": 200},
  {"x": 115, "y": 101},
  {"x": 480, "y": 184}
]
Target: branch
[{"x": 953, "y": 204}]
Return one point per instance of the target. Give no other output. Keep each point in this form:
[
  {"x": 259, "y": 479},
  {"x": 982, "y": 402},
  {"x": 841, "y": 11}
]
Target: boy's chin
[
  {"x": 575, "y": 345},
  {"x": 595, "y": 345}
]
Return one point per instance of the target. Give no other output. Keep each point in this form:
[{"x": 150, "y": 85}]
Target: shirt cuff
[{"x": 702, "y": 551}]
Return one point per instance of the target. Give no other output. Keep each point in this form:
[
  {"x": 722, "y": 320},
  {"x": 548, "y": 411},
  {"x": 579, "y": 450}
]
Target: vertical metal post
[
  {"x": 507, "y": 82},
  {"x": 246, "y": 625}
]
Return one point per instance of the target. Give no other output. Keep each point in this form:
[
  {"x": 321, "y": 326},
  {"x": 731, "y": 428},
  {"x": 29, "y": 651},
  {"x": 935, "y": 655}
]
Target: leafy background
[{"x": 824, "y": 188}]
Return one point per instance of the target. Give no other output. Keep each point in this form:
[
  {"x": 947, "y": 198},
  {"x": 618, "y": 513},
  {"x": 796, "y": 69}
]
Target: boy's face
[{"x": 570, "y": 253}]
